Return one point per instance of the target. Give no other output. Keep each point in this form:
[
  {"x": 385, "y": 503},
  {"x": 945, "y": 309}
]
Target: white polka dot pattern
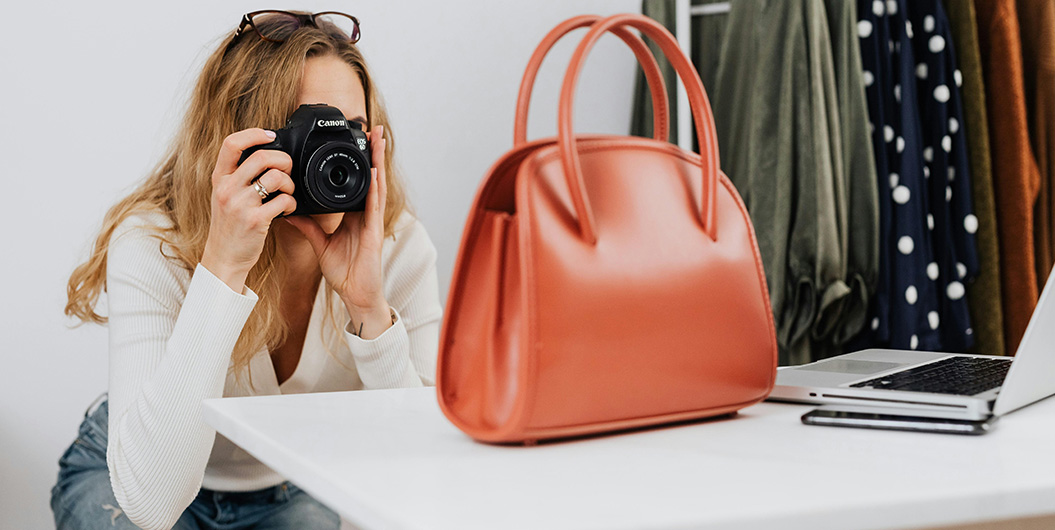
[
  {"x": 941, "y": 93},
  {"x": 936, "y": 43},
  {"x": 864, "y": 29},
  {"x": 933, "y": 271},
  {"x": 920, "y": 140},
  {"x": 955, "y": 290},
  {"x": 905, "y": 245},
  {"x": 902, "y": 195}
]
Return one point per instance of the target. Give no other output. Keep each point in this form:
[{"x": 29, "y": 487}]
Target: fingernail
[{"x": 270, "y": 134}]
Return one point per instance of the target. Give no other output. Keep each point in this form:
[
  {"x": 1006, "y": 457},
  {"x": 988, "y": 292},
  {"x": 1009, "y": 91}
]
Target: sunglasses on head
[{"x": 277, "y": 26}]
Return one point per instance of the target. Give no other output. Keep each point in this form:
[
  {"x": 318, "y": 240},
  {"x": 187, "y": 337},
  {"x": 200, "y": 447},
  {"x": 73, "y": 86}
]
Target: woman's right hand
[{"x": 240, "y": 219}]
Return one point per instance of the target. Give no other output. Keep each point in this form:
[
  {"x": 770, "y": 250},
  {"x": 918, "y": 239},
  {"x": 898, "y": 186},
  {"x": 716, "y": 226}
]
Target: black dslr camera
[{"x": 331, "y": 160}]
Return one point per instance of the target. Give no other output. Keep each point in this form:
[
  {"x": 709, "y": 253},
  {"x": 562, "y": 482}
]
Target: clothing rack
[
  {"x": 948, "y": 124},
  {"x": 684, "y": 11}
]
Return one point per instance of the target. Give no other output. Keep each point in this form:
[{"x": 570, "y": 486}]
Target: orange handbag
[{"x": 605, "y": 282}]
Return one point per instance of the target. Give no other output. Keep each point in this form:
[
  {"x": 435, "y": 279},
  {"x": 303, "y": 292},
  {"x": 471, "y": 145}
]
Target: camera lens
[{"x": 339, "y": 176}]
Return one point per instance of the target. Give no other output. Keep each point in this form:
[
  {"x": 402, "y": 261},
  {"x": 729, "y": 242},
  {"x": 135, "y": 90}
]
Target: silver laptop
[{"x": 938, "y": 385}]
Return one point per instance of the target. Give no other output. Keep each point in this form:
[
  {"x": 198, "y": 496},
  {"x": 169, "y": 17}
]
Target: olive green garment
[
  {"x": 781, "y": 148},
  {"x": 859, "y": 236},
  {"x": 983, "y": 294}
]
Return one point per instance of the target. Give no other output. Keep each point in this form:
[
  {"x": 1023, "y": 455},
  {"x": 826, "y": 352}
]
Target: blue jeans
[{"x": 82, "y": 499}]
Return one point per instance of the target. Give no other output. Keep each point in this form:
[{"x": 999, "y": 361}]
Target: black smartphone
[{"x": 835, "y": 417}]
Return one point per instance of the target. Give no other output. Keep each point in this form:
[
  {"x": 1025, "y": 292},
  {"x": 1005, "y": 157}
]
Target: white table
[{"x": 389, "y": 459}]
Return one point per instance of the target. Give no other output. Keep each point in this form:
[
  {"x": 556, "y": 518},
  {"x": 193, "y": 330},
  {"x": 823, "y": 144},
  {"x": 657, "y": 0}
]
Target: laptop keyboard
[{"x": 965, "y": 376}]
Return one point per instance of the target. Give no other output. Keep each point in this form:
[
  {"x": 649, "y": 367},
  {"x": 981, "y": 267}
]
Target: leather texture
[{"x": 605, "y": 282}]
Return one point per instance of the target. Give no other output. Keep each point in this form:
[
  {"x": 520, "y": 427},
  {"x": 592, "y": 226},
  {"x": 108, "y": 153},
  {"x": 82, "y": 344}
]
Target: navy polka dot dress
[{"x": 926, "y": 226}]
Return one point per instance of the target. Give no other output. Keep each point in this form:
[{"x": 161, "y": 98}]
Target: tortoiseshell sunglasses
[{"x": 277, "y": 26}]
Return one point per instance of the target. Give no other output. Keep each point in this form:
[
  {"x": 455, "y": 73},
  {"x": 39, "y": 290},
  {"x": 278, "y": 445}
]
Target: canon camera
[{"x": 331, "y": 160}]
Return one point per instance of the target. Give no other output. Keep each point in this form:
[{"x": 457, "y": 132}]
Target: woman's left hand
[{"x": 350, "y": 257}]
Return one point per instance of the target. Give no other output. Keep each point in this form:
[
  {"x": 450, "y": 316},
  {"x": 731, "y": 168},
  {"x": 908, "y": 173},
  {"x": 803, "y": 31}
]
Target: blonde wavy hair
[{"x": 249, "y": 83}]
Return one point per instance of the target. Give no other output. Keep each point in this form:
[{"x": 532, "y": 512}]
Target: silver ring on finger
[{"x": 260, "y": 190}]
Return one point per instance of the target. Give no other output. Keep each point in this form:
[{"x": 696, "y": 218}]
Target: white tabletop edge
[
  {"x": 217, "y": 413},
  {"x": 1007, "y": 499}
]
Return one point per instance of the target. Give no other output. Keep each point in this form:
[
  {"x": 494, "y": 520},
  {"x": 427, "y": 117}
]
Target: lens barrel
[{"x": 337, "y": 175}]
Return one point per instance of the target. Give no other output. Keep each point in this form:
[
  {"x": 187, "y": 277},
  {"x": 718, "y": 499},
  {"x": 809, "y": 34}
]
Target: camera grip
[{"x": 275, "y": 145}]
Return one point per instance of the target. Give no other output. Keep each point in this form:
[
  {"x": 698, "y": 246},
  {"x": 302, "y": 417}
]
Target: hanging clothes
[
  {"x": 793, "y": 147},
  {"x": 771, "y": 97},
  {"x": 792, "y": 128},
  {"x": 1037, "y": 20},
  {"x": 841, "y": 321},
  {"x": 907, "y": 303},
  {"x": 951, "y": 218},
  {"x": 1016, "y": 180},
  {"x": 983, "y": 294}
]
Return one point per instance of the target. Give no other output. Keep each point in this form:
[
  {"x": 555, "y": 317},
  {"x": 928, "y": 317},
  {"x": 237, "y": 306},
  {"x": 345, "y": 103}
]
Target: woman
[{"x": 211, "y": 294}]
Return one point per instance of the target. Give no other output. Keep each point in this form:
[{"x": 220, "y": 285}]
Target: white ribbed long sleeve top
[{"x": 172, "y": 332}]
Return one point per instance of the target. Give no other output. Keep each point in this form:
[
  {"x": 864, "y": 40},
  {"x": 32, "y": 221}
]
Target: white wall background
[{"x": 89, "y": 93}]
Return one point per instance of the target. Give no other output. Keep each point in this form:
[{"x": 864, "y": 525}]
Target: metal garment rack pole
[{"x": 684, "y": 11}]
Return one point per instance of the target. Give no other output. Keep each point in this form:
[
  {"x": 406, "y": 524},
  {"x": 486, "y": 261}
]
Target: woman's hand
[
  {"x": 240, "y": 219},
  {"x": 350, "y": 257}
]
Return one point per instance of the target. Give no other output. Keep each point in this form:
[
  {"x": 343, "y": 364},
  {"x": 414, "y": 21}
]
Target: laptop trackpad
[{"x": 848, "y": 366}]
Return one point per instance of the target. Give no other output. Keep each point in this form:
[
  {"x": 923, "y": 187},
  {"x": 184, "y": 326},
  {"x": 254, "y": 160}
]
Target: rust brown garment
[
  {"x": 1037, "y": 20},
  {"x": 1015, "y": 176},
  {"x": 983, "y": 294}
]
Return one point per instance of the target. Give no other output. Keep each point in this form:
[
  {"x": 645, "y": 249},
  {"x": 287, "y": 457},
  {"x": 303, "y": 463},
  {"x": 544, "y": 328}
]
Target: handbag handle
[
  {"x": 641, "y": 51},
  {"x": 698, "y": 102}
]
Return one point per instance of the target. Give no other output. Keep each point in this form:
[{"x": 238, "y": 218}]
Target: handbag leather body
[{"x": 605, "y": 282}]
